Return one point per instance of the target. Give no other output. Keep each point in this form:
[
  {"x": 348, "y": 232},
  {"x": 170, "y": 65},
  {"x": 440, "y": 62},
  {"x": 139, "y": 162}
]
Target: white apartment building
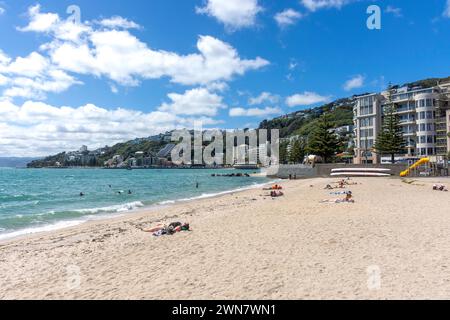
[{"x": 423, "y": 114}]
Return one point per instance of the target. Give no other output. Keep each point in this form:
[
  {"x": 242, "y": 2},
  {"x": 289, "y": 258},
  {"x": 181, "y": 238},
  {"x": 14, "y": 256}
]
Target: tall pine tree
[
  {"x": 322, "y": 141},
  {"x": 297, "y": 153},
  {"x": 283, "y": 152},
  {"x": 390, "y": 140}
]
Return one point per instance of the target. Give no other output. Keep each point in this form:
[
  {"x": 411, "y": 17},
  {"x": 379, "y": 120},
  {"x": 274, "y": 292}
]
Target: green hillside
[
  {"x": 125, "y": 149},
  {"x": 302, "y": 122}
]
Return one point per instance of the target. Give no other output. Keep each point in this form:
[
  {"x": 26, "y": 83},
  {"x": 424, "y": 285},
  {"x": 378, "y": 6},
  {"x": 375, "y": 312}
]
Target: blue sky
[{"x": 134, "y": 68}]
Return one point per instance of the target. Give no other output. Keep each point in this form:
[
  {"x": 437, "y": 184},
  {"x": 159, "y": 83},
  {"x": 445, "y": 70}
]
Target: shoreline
[
  {"x": 246, "y": 245},
  {"x": 104, "y": 217}
]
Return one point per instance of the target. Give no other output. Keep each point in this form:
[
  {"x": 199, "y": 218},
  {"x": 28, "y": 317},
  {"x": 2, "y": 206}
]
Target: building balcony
[
  {"x": 405, "y": 110},
  {"x": 400, "y": 98},
  {"x": 409, "y": 121}
]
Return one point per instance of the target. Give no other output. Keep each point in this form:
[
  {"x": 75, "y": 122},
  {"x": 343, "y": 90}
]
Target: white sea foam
[
  {"x": 32, "y": 230},
  {"x": 115, "y": 208},
  {"x": 216, "y": 194},
  {"x": 163, "y": 203}
]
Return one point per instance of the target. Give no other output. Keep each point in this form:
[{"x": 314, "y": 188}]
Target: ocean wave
[
  {"x": 115, "y": 208},
  {"x": 33, "y": 230}
]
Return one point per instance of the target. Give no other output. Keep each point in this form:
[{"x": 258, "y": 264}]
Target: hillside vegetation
[{"x": 301, "y": 123}]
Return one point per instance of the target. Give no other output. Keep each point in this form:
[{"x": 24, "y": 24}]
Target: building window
[{"x": 366, "y": 122}]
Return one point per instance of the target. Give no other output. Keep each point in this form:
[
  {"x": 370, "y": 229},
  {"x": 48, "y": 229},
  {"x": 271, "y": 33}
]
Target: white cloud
[
  {"x": 216, "y": 60},
  {"x": 306, "y": 98},
  {"x": 3, "y": 80},
  {"x": 254, "y": 112},
  {"x": 314, "y": 5},
  {"x": 287, "y": 17},
  {"x": 217, "y": 86},
  {"x": 40, "y": 22},
  {"x": 31, "y": 66},
  {"x": 354, "y": 83},
  {"x": 2, "y": 11},
  {"x": 95, "y": 48},
  {"x": 293, "y": 64},
  {"x": 234, "y": 14},
  {"x": 39, "y": 129},
  {"x": 52, "y": 24},
  {"x": 397, "y": 12},
  {"x": 197, "y": 101},
  {"x": 119, "y": 22},
  {"x": 264, "y": 97},
  {"x": 114, "y": 88},
  {"x": 32, "y": 77},
  {"x": 447, "y": 9}
]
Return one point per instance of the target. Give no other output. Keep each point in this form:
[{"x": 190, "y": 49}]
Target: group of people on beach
[
  {"x": 341, "y": 184},
  {"x": 275, "y": 191}
]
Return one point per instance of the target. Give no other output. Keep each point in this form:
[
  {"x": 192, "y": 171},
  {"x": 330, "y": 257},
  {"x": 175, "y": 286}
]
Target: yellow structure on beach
[{"x": 415, "y": 165}]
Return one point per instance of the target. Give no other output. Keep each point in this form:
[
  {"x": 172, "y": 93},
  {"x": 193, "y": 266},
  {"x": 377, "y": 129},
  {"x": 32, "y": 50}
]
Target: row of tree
[{"x": 323, "y": 142}]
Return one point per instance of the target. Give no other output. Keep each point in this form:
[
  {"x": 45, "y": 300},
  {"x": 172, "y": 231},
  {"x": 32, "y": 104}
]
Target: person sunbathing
[
  {"x": 170, "y": 229},
  {"x": 440, "y": 187},
  {"x": 348, "y": 198},
  {"x": 276, "y": 194},
  {"x": 275, "y": 187}
]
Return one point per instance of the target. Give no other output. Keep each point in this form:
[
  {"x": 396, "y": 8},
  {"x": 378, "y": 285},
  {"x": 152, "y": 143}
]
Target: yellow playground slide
[{"x": 415, "y": 165}]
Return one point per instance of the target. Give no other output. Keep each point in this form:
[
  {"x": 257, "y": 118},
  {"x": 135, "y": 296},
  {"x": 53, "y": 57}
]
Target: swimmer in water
[
  {"x": 81, "y": 194},
  {"x": 129, "y": 192}
]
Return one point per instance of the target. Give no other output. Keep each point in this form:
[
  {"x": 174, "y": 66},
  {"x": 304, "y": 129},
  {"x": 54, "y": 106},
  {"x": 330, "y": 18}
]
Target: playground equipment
[{"x": 415, "y": 165}]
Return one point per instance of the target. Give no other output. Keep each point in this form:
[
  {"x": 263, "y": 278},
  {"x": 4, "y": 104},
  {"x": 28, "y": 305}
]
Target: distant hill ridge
[{"x": 14, "y": 162}]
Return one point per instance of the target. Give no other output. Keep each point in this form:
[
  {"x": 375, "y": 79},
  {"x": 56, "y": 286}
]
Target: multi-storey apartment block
[{"x": 423, "y": 115}]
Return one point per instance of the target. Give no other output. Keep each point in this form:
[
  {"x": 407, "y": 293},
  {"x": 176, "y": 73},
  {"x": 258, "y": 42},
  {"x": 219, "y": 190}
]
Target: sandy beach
[{"x": 392, "y": 243}]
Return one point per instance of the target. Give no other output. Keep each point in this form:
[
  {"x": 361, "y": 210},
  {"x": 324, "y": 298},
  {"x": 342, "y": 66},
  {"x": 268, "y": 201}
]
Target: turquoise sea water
[{"x": 33, "y": 200}]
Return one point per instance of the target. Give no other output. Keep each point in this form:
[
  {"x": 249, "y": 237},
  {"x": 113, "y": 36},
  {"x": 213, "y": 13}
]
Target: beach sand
[{"x": 393, "y": 242}]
